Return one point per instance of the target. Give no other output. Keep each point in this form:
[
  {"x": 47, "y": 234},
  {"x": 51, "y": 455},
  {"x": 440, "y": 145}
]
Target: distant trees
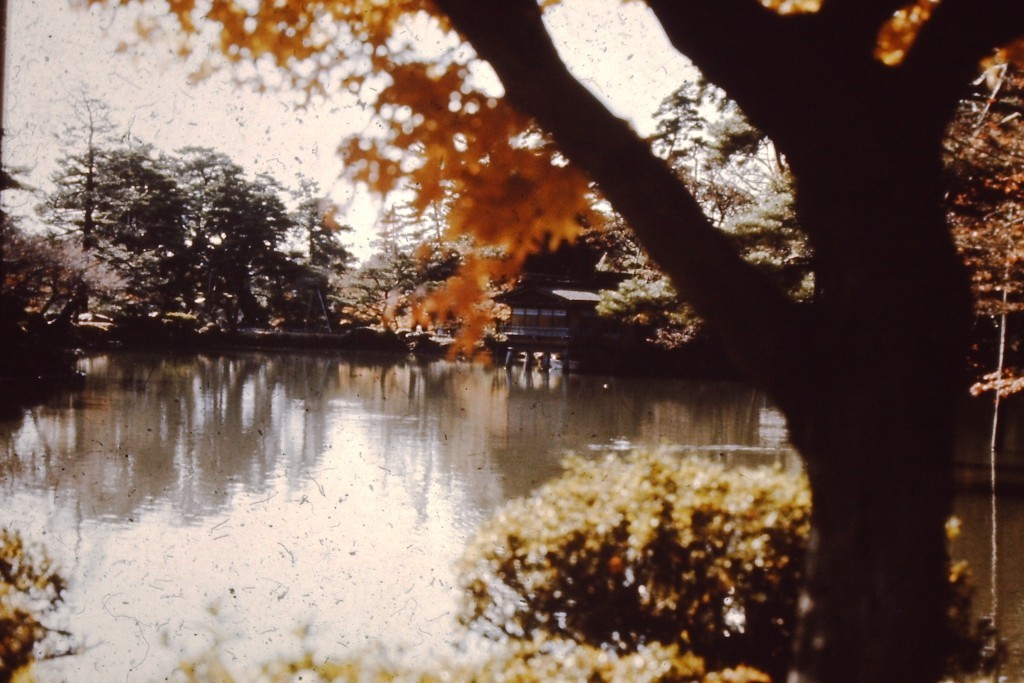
[
  {"x": 45, "y": 276},
  {"x": 187, "y": 233},
  {"x": 136, "y": 233},
  {"x": 643, "y": 297},
  {"x": 742, "y": 182},
  {"x": 985, "y": 201},
  {"x": 381, "y": 289},
  {"x": 412, "y": 257},
  {"x": 235, "y": 230},
  {"x": 74, "y": 201},
  {"x": 743, "y": 185},
  {"x": 316, "y": 249},
  {"x": 138, "y": 227},
  {"x": 42, "y": 274}
]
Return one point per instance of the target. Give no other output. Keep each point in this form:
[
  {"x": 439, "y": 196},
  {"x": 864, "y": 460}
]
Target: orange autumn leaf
[{"x": 898, "y": 34}]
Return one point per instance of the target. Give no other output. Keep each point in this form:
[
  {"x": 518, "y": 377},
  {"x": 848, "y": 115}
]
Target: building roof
[
  {"x": 574, "y": 294},
  {"x": 531, "y": 294}
]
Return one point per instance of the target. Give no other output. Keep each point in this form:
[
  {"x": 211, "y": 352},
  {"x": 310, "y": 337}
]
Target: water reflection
[
  {"x": 998, "y": 575},
  {"x": 234, "y": 497},
  {"x": 190, "y": 432}
]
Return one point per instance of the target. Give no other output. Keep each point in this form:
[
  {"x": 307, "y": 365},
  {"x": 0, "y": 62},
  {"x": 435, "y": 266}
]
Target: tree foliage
[
  {"x": 449, "y": 138},
  {"x": 318, "y": 247},
  {"x": 644, "y": 297},
  {"x": 740, "y": 179},
  {"x": 414, "y": 257},
  {"x": 526, "y": 662},
  {"x": 138, "y": 232},
  {"x": 44, "y": 275},
  {"x": 383, "y": 288},
  {"x": 316, "y": 228},
  {"x": 984, "y": 149},
  {"x": 188, "y": 234},
  {"x": 72, "y": 205},
  {"x": 986, "y": 211},
  {"x": 745, "y": 188},
  {"x": 235, "y": 227}
]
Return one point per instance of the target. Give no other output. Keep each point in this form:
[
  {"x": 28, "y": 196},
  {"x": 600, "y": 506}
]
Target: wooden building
[{"x": 553, "y": 318}]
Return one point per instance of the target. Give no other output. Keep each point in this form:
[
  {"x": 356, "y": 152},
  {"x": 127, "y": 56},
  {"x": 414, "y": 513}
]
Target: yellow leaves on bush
[
  {"x": 688, "y": 553},
  {"x": 539, "y": 661},
  {"x": 740, "y": 674},
  {"x": 30, "y": 590}
]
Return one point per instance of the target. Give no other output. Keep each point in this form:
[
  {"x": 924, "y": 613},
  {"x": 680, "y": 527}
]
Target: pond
[{"x": 264, "y": 503}]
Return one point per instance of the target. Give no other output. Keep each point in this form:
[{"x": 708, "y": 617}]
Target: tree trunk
[
  {"x": 874, "y": 418},
  {"x": 253, "y": 313},
  {"x": 872, "y": 607},
  {"x": 77, "y": 304},
  {"x": 879, "y": 462},
  {"x": 868, "y": 376}
]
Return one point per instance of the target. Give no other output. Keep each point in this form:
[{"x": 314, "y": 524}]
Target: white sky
[{"x": 57, "y": 53}]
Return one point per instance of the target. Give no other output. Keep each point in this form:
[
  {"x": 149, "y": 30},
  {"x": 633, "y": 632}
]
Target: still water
[{"x": 264, "y": 502}]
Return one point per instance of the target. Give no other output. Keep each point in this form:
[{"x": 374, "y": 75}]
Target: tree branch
[
  {"x": 723, "y": 36},
  {"x": 760, "y": 59},
  {"x": 817, "y": 63},
  {"x": 821, "y": 65},
  {"x": 748, "y": 312},
  {"x": 963, "y": 32}
]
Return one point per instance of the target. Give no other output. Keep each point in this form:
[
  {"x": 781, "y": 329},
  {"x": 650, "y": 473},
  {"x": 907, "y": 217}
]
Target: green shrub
[
  {"x": 536, "y": 661},
  {"x": 555, "y": 660},
  {"x": 648, "y": 548},
  {"x": 30, "y": 590}
]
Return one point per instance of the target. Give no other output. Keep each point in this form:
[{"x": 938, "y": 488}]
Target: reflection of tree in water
[
  {"x": 495, "y": 434},
  {"x": 432, "y": 424},
  {"x": 189, "y": 430},
  {"x": 555, "y": 413}
]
